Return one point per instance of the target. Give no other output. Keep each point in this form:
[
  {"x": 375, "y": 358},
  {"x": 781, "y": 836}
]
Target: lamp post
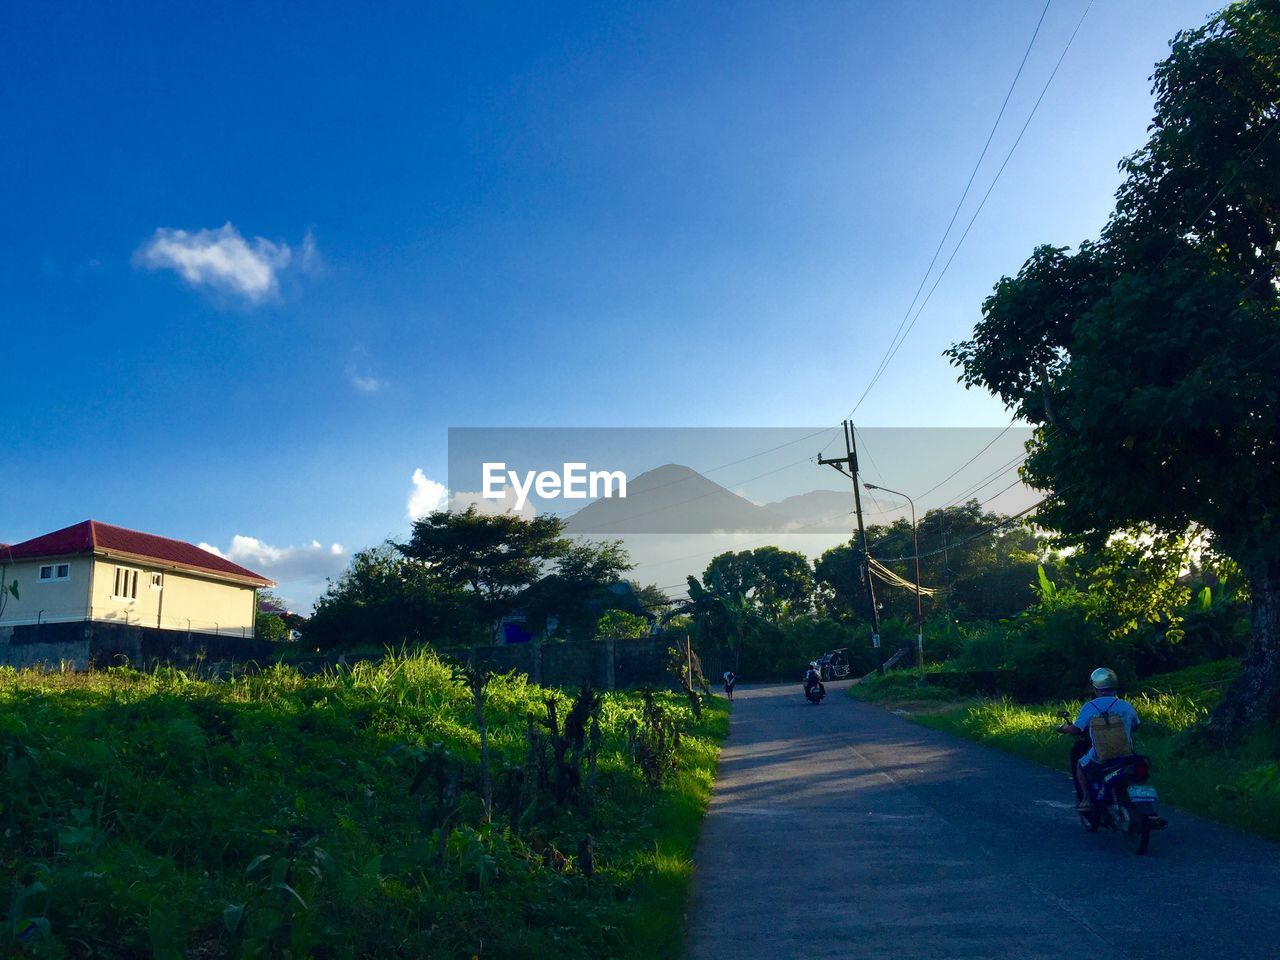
[{"x": 915, "y": 539}]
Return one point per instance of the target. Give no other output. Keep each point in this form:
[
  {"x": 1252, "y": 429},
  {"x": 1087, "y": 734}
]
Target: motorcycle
[
  {"x": 1120, "y": 796},
  {"x": 815, "y": 693}
]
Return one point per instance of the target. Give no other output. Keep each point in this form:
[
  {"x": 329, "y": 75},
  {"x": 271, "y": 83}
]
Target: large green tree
[
  {"x": 386, "y": 599},
  {"x": 493, "y": 557},
  {"x": 777, "y": 583},
  {"x": 1149, "y": 360}
]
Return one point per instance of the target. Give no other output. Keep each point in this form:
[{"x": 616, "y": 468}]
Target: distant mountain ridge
[{"x": 674, "y": 498}]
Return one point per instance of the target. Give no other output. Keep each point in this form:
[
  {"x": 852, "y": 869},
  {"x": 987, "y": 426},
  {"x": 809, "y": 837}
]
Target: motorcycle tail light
[{"x": 1140, "y": 772}]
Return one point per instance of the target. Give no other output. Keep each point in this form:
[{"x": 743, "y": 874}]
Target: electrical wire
[
  {"x": 982, "y": 533},
  {"x": 965, "y": 194},
  {"x": 962, "y": 466},
  {"x": 896, "y": 343}
]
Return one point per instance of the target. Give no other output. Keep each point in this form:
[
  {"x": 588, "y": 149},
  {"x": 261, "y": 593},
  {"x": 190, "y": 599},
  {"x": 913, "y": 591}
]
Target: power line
[
  {"x": 939, "y": 513},
  {"x": 986, "y": 481},
  {"x": 896, "y": 344},
  {"x": 701, "y": 496},
  {"x": 803, "y": 528},
  {"x": 964, "y": 195},
  {"x": 953, "y": 473},
  {"x": 752, "y": 456},
  {"x": 982, "y": 533}
]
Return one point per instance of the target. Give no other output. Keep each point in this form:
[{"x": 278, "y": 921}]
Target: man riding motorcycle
[
  {"x": 1105, "y": 704},
  {"x": 813, "y": 678}
]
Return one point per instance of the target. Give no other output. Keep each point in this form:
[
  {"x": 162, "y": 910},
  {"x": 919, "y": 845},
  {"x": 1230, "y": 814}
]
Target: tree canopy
[
  {"x": 492, "y": 556},
  {"x": 1149, "y": 359}
]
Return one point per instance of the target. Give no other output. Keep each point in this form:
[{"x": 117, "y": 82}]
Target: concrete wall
[{"x": 82, "y": 644}]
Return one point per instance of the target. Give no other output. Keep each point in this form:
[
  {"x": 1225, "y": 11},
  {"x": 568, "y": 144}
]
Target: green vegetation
[
  {"x": 344, "y": 815},
  {"x": 1146, "y": 359},
  {"x": 460, "y": 573},
  {"x": 1240, "y": 787}
]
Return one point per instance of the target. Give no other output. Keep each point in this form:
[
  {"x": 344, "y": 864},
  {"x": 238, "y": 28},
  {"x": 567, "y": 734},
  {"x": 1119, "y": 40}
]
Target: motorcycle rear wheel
[{"x": 1138, "y": 836}]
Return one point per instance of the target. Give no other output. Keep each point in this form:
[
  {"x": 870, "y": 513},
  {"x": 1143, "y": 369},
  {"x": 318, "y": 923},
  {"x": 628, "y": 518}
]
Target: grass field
[
  {"x": 152, "y": 815},
  {"x": 1240, "y": 787}
]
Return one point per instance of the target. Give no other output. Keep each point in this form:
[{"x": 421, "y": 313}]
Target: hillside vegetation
[{"x": 344, "y": 815}]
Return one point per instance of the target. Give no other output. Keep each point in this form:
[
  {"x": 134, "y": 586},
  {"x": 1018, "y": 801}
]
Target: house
[{"x": 96, "y": 573}]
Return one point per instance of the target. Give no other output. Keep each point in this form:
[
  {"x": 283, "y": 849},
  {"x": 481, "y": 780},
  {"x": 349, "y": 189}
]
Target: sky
[{"x": 257, "y": 261}]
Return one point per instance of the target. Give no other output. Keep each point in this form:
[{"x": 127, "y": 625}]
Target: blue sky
[{"x": 661, "y": 214}]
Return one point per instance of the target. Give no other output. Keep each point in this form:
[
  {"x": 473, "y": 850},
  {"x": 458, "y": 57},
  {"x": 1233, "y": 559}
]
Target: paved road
[{"x": 844, "y": 831}]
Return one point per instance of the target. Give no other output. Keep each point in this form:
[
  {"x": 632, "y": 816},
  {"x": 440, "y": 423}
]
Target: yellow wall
[
  {"x": 59, "y": 600},
  {"x": 183, "y": 601}
]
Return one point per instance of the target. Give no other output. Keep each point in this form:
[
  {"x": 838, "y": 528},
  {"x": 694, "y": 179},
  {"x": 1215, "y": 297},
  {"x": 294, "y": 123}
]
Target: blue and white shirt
[{"x": 1122, "y": 710}]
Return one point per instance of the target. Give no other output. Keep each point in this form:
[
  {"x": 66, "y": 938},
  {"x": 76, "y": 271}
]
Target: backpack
[{"x": 1109, "y": 736}]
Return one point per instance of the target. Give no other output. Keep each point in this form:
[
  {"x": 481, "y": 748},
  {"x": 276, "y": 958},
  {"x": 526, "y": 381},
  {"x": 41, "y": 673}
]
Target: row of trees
[
  {"x": 773, "y": 610},
  {"x": 1003, "y": 599},
  {"x": 460, "y": 573}
]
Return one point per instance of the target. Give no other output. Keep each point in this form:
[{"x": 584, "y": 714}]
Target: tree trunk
[{"x": 1254, "y": 699}]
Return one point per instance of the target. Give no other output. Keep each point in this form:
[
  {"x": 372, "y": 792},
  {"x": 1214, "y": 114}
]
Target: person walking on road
[{"x": 729, "y": 680}]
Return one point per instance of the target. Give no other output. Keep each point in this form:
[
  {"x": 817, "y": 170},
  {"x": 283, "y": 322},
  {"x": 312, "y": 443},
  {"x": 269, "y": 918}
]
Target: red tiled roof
[{"x": 91, "y": 536}]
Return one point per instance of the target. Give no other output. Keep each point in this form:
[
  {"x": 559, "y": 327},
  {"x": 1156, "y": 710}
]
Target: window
[
  {"x": 126, "y": 586},
  {"x": 157, "y": 581},
  {"x": 53, "y": 572}
]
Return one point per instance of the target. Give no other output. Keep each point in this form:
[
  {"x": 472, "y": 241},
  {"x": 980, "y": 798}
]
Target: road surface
[{"x": 845, "y": 831}]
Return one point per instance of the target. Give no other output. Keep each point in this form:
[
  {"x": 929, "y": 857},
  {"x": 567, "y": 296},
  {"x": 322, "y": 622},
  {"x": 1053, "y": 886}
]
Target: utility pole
[
  {"x": 850, "y": 460},
  {"x": 915, "y": 540}
]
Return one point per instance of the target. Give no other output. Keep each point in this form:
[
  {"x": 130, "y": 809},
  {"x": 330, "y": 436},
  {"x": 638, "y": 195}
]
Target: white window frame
[
  {"x": 53, "y": 573},
  {"x": 125, "y": 586}
]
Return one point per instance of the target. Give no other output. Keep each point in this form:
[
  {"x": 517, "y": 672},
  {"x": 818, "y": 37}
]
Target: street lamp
[{"x": 915, "y": 539}]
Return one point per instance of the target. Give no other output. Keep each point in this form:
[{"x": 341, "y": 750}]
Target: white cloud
[
  {"x": 223, "y": 260},
  {"x": 312, "y": 562},
  {"x": 360, "y": 374},
  {"x": 426, "y": 496}
]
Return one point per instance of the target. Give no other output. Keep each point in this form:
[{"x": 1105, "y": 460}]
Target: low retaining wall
[
  {"x": 605, "y": 664},
  {"x": 82, "y": 644}
]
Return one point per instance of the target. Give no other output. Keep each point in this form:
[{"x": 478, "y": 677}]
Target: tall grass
[{"x": 161, "y": 815}]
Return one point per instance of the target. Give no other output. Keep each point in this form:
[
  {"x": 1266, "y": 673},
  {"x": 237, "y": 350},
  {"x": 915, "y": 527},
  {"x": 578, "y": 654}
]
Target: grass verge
[
  {"x": 1239, "y": 787},
  {"x": 335, "y": 816}
]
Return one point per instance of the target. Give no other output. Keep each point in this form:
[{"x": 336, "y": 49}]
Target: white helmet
[
  {"x": 813, "y": 664},
  {"x": 1104, "y": 678}
]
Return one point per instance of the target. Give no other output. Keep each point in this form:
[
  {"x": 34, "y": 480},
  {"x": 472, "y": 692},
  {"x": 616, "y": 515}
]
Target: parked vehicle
[
  {"x": 1122, "y": 799},
  {"x": 834, "y": 664}
]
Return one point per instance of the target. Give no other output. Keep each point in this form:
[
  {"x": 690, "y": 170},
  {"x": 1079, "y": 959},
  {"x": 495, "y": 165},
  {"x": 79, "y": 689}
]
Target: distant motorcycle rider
[
  {"x": 1106, "y": 704},
  {"x": 813, "y": 678}
]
